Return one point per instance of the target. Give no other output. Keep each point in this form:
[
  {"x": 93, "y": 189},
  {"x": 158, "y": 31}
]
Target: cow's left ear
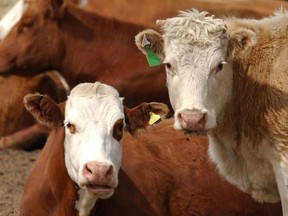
[
  {"x": 241, "y": 39},
  {"x": 151, "y": 38},
  {"x": 144, "y": 115},
  {"x": 57, "y": 7},
  {"x": 44, "y": 110}
]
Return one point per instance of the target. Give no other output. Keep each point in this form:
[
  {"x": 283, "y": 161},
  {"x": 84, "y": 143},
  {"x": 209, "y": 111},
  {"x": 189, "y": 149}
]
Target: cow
[
  {"x": 14, "y": 118},
  {"x": 81, "y": 159},
  {"x": 15, "y": 13},
  {"x": 155, "y": 175},
  {"x": 227, "y": 77},
  {"x": 83, "y": 47},
  {"x": 146, "y": 12}
]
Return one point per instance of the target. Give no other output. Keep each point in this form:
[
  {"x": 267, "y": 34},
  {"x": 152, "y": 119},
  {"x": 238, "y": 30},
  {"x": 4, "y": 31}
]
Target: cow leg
[
  {"x": 281, "y": 172},
  {"x": 29, "y": 138}
]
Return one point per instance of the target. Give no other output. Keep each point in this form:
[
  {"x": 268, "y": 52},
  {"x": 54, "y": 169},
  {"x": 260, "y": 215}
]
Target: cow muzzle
[
  {"x": 100, "y": 178},
  {"x": 192, "y": 121}
]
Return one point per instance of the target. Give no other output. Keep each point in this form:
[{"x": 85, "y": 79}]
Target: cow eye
[
  {"x": 25, "y": 26},
  {"x": 169, "y": 68},
  {"x": 70, "y": 127},
  {"x": 220, "y": 66},
  {"x": 118, "y": 129}
]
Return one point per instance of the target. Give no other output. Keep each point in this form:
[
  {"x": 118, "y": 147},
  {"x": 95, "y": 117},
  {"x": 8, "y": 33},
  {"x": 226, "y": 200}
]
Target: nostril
[
  {"x": 109, "y": 171},
  {"x": 87, "y": 171}
]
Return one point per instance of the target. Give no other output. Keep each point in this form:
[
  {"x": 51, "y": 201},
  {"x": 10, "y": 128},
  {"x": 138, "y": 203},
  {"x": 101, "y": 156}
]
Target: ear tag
[
  {"x": 151, "y": 57},
  {"x": 153, "y": 118}
]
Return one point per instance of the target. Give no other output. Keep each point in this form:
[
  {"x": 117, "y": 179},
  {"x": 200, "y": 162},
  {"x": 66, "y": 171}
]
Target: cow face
[
  {"x": 194, "y": 48},
  {"x": 94, "y": 121},
  {"x": 34, "y": 41}
]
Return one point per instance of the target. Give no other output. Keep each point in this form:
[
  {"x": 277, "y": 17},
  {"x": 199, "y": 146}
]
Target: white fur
[
  {"x": 82, "y": 3},
  {"x": 11, "y": 18},
  {"x": 85, "y": 203},
  {"x": 194, "y": 44},
  {"x": 93, "y": 109}
]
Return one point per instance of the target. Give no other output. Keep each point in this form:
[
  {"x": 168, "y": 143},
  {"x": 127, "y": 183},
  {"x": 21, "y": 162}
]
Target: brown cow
[
  {"x": 83, "y": 47},
  {"x": 14, "y": 117},
  {"x": 163, "y": 173},
  {"x": 146, "y": 12},
  {"x": 80, "y": 161}
]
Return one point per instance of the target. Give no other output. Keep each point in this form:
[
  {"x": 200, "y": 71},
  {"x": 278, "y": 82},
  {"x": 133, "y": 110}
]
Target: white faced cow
[
  {"x": 229, "y": 78},
  {"x": 88, "y": 151}
]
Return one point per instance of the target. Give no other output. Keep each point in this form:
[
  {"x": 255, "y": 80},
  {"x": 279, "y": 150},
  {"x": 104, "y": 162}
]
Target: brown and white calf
[
  {"x": 228, "y": 77},
  {"x": 82, "y": 157}
]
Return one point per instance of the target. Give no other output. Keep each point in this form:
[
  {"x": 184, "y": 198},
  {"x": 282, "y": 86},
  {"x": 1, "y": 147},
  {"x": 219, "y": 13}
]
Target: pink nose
[
  {"x": 192, "y": 121},
  {"x": 98, "y": 173}
]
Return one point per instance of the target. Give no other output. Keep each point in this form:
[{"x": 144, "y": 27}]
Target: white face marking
[
  {"x": 94, "y": 117},
  {"x": 199, "y": 80},
  {"x": 11, "y": 18}
]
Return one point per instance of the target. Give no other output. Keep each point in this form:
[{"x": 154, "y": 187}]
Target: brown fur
[
  {"x": 148, "y": 11},
  {"x": 14, "y": 117}
]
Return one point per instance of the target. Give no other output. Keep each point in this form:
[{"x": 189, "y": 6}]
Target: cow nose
[
  {"x": 192, "y": 121},
  {"x": 98, "y": 172}
]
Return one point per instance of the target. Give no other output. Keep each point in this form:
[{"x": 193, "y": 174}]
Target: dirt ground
[{"x": 14, "y": 169}]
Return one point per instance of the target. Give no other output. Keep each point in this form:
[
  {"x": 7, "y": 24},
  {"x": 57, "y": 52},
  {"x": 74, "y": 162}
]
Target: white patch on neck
[
  {"x": 82, "y": 3},
  {"x": 85, "y": 203}
]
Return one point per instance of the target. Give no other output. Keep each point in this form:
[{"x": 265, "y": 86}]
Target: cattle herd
[{"x": 202, "y": 133}]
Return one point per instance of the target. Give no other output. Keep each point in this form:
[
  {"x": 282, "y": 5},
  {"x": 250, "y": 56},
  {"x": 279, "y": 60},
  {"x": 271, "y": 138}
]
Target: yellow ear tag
[{"x": 153, "y": 118}]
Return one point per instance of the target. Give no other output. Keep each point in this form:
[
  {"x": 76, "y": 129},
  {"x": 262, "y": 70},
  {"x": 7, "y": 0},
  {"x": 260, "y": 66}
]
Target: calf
[
  {"x": 81, "y": 159},
  {"x": 228, "y": 77}
]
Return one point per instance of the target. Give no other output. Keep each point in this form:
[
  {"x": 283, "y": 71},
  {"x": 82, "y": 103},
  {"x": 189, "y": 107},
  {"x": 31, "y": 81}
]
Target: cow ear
[
  {"x": 57, "y": 7},
  {"x": 153, "y": 38},
  {"x": 144, "y": 115},
  {"x": 44, "y": 110},
  {"x": 240, "y": 41}
]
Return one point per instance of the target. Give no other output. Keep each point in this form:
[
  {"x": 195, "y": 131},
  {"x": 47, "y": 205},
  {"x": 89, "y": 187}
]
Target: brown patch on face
[{"x": 118, "y": 129}]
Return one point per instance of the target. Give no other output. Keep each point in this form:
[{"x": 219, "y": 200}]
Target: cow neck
[
  {"x": 244, "y": 115},
  {"x": 63, "y": 188},
  {"x": 94, "y": 46}
]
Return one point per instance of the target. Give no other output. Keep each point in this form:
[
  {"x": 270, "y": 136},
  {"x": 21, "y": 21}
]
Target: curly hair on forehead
[{"x": 194, "y": 26}]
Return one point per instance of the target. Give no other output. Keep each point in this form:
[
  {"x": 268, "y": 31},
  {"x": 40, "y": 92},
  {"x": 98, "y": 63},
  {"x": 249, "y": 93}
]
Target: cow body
[
  {"x": 231, "y": 82},
  {"x": 145, "y": 13},
  {"x": 81, "y": 159},
  {"x": 12, "y": 89},
  {"x": 84, "y": 47}
]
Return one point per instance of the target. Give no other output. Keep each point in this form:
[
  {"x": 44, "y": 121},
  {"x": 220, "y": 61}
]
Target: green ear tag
[{"x": 151, "y": 57}]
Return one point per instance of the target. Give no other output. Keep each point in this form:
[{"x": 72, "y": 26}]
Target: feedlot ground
[{"x": 14, "y": 169}]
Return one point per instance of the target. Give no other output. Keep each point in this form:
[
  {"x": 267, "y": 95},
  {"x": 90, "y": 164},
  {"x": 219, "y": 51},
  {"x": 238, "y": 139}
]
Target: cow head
[
  {"x": 34, "y": 41},
  {"x": 197, "y": 51},
  {"x": 94, "y": 121}
]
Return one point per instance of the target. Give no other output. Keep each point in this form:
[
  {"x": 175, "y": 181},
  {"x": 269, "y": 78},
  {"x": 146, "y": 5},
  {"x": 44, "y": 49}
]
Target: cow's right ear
[
  {"x": 154, "y": 38},
  {"x": 44, "y": 110}
]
